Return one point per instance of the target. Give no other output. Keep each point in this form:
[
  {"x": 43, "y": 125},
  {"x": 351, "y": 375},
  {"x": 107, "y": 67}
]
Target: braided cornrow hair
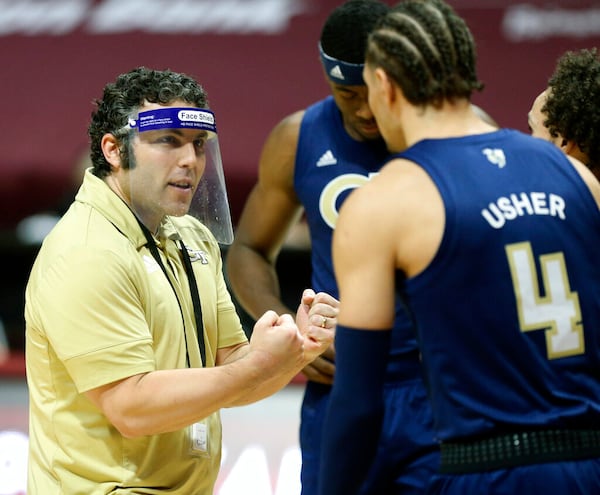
[{"x": 427, "y": 49}]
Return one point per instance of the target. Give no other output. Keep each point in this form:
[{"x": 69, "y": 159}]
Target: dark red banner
[{"x": 256, "y": 58}]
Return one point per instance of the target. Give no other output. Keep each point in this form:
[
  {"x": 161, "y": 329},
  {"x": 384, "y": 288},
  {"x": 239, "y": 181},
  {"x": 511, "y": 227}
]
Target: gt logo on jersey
[
  {"x": 332, "y": 191},
  {"x": 495, "y": 156}
]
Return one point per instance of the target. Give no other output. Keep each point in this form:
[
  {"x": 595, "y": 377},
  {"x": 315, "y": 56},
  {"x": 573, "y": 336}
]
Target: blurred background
[{"x": 258, "y": 61}]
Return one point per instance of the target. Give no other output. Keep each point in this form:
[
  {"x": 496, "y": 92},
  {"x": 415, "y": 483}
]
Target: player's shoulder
[
  {"x": 588, "y": 178},
  {"x": 397, "y": 170},
  {"x": 289, "y": 126},
  {"x": 317, "y": 110},
  {"x": 286, "y": 131},
  {"x": 368, "y": 200},
  {"x": 401, "y": 183}
]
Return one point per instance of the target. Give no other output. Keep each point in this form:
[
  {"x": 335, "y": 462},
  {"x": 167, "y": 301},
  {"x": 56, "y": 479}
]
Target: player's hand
[
  {"x": 317, "y": 318},
  {"x": 322, "y": 369},
  {"x": 317, "y": 314}
]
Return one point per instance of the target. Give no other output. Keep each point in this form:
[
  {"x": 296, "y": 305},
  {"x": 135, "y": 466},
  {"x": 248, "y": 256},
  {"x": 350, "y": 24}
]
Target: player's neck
[{"x": 454, "y": 119}]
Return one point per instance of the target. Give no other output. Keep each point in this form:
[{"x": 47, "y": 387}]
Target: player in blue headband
[{"x": 310, "y": 162}]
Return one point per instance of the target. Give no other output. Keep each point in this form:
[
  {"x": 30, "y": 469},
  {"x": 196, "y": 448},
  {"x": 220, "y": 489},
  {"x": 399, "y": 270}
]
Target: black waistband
[{"x": 517, "y": 449}]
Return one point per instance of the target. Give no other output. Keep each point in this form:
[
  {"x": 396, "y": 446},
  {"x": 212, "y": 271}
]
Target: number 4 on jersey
[{"x": 558, "y": 311}]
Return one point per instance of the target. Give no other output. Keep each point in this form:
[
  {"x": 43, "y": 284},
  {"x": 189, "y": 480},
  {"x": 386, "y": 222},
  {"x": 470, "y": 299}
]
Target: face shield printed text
[
  {"x": 174, "y": 118},
  {"x": 203, "y": 116}
]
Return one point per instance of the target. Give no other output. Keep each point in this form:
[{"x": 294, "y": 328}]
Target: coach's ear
[{"x": 111, "y": 150}]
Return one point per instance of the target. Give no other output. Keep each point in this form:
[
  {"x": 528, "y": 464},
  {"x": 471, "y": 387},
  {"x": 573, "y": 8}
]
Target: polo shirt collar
[{"x": 96, "y": 193}]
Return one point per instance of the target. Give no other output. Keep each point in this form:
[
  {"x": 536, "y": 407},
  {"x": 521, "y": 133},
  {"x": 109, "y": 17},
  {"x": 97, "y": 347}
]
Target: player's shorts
[
  {"x": 581, "y": 477},
  {"x": 407, "y": 455}
]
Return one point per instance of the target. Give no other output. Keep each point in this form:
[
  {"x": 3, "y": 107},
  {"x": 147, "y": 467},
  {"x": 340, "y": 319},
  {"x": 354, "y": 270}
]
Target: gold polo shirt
[{"x": 99, "y": 308}]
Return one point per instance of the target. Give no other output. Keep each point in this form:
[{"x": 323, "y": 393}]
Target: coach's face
[{"x": 165, "y": 168}]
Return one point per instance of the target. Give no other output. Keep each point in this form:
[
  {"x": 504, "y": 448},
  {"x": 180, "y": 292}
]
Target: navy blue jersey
[
  {"x": 508, "y": 312},
  {"x": 329, "y": 166}
]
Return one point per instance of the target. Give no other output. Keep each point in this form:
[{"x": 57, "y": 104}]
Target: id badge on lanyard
[{"x": 200, "y": 438}]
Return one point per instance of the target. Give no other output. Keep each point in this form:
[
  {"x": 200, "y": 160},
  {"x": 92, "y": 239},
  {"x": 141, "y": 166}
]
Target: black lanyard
[{"x": 187, "y": 265}]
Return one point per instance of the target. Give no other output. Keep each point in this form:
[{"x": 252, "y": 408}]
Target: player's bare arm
[
  {"x": 271, "y": 210},
  {"x": 411, "y": 242}
]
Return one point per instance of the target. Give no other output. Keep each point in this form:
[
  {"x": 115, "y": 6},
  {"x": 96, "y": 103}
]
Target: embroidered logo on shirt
[
  {"x": 196, "y": 254},
  {"x": 151, "y": 264},
  {"x": 495, "y": 156},
  {"x": 327, "y": 159}
]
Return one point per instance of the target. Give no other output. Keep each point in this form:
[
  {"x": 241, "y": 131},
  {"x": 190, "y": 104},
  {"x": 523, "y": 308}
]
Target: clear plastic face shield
[{"x": 175, "y": 169}]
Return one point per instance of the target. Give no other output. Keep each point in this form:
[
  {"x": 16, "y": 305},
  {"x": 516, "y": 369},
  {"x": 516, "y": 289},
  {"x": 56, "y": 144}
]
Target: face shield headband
[
  {"x": 341, "y": 72},
  {"x": 209, "y": 202}
]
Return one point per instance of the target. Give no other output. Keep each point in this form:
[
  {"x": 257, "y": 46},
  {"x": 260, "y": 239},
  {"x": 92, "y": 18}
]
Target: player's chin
[{"x": 370, "y": 132}]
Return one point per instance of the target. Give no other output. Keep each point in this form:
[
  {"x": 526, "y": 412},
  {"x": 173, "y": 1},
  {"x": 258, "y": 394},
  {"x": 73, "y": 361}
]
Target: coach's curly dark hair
[
  {"x": 428, "y": 50},
  {"x": 572, "y": 107},
  {"x": 122, "y": 98}
]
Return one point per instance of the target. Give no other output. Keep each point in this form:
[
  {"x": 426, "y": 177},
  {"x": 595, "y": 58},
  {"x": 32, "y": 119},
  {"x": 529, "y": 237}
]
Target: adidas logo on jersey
[
  {"x": 327, "y": 159},
  {"x": 337, "y": 73}
]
